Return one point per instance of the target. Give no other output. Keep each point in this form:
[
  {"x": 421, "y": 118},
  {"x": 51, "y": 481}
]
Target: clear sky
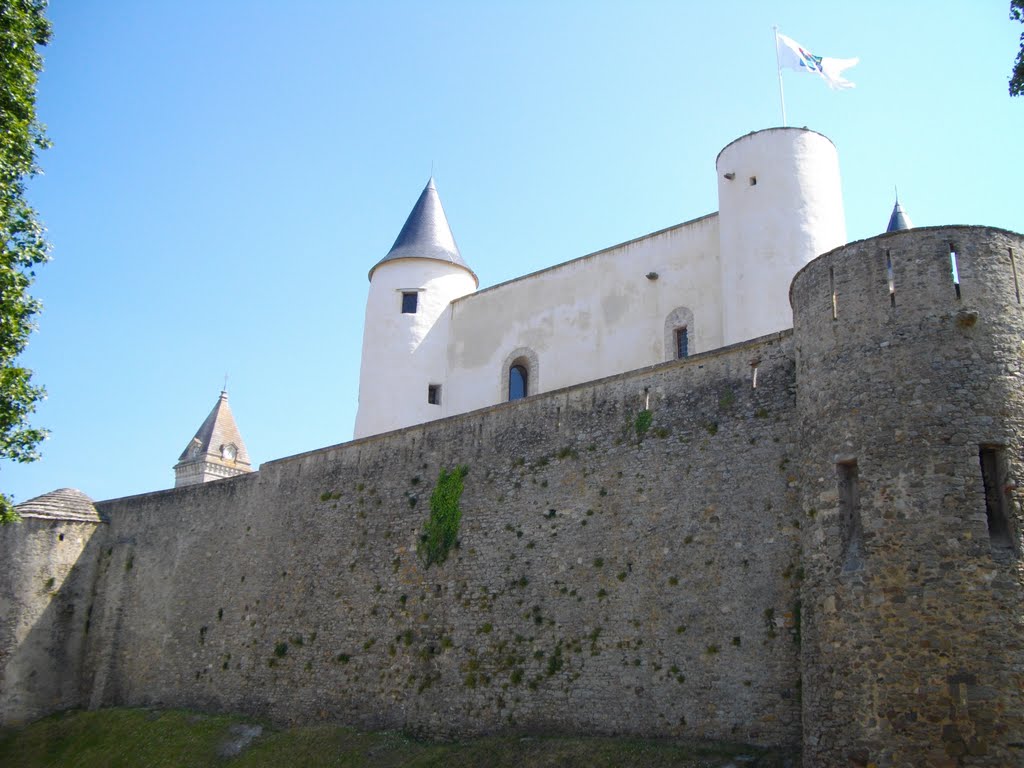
[{"x": 225, "y": 173}]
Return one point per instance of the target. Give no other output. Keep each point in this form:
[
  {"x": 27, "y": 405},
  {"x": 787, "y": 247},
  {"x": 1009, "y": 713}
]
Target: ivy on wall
[{"x": 442, "y": 529}]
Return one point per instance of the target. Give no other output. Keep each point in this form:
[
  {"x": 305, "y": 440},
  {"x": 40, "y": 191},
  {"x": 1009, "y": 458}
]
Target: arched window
[
  {"x": 519, "y": 375},
  {"x": 679, "y": 337},
  {"x": 518, "y": 382}
]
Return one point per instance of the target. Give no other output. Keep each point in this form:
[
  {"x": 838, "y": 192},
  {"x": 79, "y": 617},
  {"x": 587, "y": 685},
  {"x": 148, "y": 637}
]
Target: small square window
[
  {"x": 434, "y": 394},
  {"x": 409, "y": 300},
  {"x": 682, "y": 343}
]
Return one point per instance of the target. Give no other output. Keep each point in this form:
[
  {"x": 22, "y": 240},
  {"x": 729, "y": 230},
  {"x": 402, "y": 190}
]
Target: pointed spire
[
  {"x": 426, "y": 234},
  {"x": 216, "y": 451},
  {"x": 899, "y": 220}
]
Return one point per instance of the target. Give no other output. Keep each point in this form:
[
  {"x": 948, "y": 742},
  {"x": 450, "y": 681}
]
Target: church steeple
[
  {"x": 426, "y": 234},
  {"x": 217, "y": 450}
]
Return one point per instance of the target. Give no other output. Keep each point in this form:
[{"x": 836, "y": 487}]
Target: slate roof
[
  {"x": 426, "y": 234},
  {"x": 62, "y": 504},
  {"x": 218, "y": 430},
  {"x": 899, "y": 220}
]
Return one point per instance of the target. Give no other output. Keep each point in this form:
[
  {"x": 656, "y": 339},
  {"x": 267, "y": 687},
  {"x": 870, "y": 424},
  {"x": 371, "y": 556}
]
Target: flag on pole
[{"x": 792, "y": 55}]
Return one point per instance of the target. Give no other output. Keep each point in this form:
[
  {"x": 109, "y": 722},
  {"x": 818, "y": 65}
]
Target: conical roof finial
[{"x": 899, "y": 220}]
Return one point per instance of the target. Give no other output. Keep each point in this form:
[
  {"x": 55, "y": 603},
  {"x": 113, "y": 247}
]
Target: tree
[
  {"x": 23, "y": 29},
  {"x": 1017, "y": 75}
]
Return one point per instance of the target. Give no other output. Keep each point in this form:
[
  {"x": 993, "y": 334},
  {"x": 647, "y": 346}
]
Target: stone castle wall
[
  {"x": 830, "y": 558},
  {"x": 912, "y": 649},
  {"x": 45, "y": 593},
  {"x": 605, "y": 581}
]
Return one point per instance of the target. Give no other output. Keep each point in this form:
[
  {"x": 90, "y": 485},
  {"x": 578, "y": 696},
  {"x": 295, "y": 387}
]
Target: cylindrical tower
[
  {"x": 405, "y": 334},
  {"x": 910, "y": 394},
  {"x": 779, "y": 206}
]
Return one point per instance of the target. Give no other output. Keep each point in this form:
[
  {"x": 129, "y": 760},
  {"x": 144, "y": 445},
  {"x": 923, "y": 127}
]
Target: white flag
[{"x": 792, "y": 55}]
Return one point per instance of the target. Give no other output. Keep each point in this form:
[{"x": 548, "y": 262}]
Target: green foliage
[
  {"x": 642, "y": 423},
  {"x": 1017, "y": 75},
  {"x": 23, "y": 246},
  {"x": 280, "y": 649},
  {"x": 727, "y": 400},
  {"x": 442, "y": 529}
]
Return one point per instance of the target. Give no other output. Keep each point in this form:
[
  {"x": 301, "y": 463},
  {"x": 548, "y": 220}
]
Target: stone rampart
[
  {"x": 608, "y": 579},
  {"x": 910, "y": 374},
  {"x": 813, "y": 539},
  {"x": 48, "y": 577}
]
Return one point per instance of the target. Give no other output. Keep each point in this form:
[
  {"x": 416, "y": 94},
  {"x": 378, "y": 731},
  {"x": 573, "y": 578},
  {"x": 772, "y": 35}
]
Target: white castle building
[{"x": 434, "y": 345}]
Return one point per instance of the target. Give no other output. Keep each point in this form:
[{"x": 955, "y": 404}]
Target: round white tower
[
  {"x": 779, "y": 206},
  {"x": 405, "y": 334}
]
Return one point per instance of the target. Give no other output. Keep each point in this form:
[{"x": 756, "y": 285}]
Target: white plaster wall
[
  {"x": 591, "y": 317},
  {"x": 404, "y": 353},
  {"x": 771, "y": 229}
]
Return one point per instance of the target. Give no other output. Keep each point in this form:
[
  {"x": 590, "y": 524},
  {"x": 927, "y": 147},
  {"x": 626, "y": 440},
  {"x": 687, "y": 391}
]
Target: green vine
[
  {"x": 642, "y": 423},
  {"x": 442, "y": 528}
]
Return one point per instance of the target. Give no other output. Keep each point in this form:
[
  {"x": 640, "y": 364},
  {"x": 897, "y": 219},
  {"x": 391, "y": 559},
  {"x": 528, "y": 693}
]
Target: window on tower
[
  {"x": 434, "y": 394},
  {"x": 409, "y": 301}
]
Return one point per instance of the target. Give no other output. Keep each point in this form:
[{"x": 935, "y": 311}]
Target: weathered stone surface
[
  {"x": 916, "y": 654},
  {"x": 808, "y": 561}
]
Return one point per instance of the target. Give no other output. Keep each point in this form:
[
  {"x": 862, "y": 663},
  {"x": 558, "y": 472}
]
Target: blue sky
[{"x": 225, "y": 173}]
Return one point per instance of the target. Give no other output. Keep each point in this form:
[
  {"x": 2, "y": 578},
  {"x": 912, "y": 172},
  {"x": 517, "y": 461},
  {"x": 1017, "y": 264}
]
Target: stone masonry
[{"x": 807, "y": 540}]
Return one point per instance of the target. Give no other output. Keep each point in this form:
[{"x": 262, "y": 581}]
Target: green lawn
[{"x": 179, "y": 739}]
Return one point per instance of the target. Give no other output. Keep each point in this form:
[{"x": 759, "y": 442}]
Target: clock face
[{"x": 229, "y": 452}]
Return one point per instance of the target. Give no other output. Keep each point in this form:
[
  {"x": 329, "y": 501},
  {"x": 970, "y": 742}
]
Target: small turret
[
  {"x": 405, "y": 335},
  {"x": 899, "y": 220},
  {"x": 217, "y": 450}
]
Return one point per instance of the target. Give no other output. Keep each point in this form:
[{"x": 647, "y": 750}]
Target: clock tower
[{"x": 217, "y": 450}]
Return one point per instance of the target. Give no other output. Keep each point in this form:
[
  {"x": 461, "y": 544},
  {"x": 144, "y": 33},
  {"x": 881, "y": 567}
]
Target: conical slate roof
[
  {"x": 62, "y": 504},
  {"x": 216, "y": 433},
  {"x": 899, "y": 220},
  {"x": 426, "y": 234}
]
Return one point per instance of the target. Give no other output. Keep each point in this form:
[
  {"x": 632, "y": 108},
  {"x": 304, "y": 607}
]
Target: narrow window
[
  {"x": 995, "y": 476},
  {"x": 849, "y": 513},
  {"x": 954, "y": 269},
  {"x": 892, "y": 279},
  {"x": 753, "y": 181},
  {"x": 832, "y": 290},
  {"x": 434, "y": 394},
  {"x": 409, "y": 301},
  {"x": 518, "y": 382},
  {"x": 1016, "y": 284},
  {"x": 682, "y": 343}
]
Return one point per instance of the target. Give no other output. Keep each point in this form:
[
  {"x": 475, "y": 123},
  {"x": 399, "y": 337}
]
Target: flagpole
[{"x": 778, "y": 69}]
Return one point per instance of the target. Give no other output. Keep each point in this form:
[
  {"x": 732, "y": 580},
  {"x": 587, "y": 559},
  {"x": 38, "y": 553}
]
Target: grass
[{"x": 112, "y": 738}]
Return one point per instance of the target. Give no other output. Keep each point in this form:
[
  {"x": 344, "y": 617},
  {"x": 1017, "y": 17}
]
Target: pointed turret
[
  {"x": 426, "y": 234},
  {"x": 899, "y": 220},
  {"x": 405, "y": 335},
  {"x": 217, "y": 450}
]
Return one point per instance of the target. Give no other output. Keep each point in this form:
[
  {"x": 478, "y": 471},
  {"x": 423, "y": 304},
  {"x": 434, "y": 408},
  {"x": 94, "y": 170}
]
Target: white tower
[
  {"x": 779, "y": 206},
  {"x": 405, "y": 334}
]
